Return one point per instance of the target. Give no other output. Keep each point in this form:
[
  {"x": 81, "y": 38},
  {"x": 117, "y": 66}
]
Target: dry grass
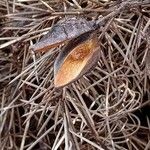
[{"x": 105, "y": 109}]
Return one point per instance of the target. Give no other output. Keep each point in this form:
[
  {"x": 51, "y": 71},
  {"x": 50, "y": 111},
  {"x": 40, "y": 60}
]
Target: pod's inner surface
[{"x": 75, "y": 62}]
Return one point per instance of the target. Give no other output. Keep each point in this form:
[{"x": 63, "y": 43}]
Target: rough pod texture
[{"x": 64, "y": 30}]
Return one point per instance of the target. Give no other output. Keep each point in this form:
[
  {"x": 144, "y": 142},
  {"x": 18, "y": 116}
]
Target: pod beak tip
[{"x": 56, "y": 84}]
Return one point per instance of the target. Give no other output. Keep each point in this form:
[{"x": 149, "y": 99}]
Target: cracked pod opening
[{"x": 74, "y": 62}]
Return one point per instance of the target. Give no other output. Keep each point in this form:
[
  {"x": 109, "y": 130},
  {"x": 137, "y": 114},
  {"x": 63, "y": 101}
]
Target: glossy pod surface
[{"x": 76, "y": 59}]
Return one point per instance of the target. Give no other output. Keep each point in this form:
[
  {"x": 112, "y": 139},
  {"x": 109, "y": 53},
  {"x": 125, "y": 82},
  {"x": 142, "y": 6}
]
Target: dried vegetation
[{"x": 108, "y": 108}]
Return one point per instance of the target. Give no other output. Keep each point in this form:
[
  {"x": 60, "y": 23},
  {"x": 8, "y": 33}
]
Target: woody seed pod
[
  {"x": 76, "y": 59},
  {"x": 63, "y": 31}
]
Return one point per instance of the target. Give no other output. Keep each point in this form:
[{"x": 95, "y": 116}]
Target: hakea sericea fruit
[
  {"x": 76, "y": 59},
  {"x": 79, "y": 55},
  {"x": 64, "y": 30}
]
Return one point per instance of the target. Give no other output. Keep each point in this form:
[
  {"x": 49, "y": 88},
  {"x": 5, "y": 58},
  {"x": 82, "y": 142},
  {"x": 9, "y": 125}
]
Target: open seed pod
[
  {"x": 76, "y": 59},
  {"x": 64, "y": 30}
]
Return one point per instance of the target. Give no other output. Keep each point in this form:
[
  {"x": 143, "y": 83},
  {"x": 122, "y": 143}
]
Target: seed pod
[
  {"x": 64, "y": 30},
  {"x": 76, "y": 59}
]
